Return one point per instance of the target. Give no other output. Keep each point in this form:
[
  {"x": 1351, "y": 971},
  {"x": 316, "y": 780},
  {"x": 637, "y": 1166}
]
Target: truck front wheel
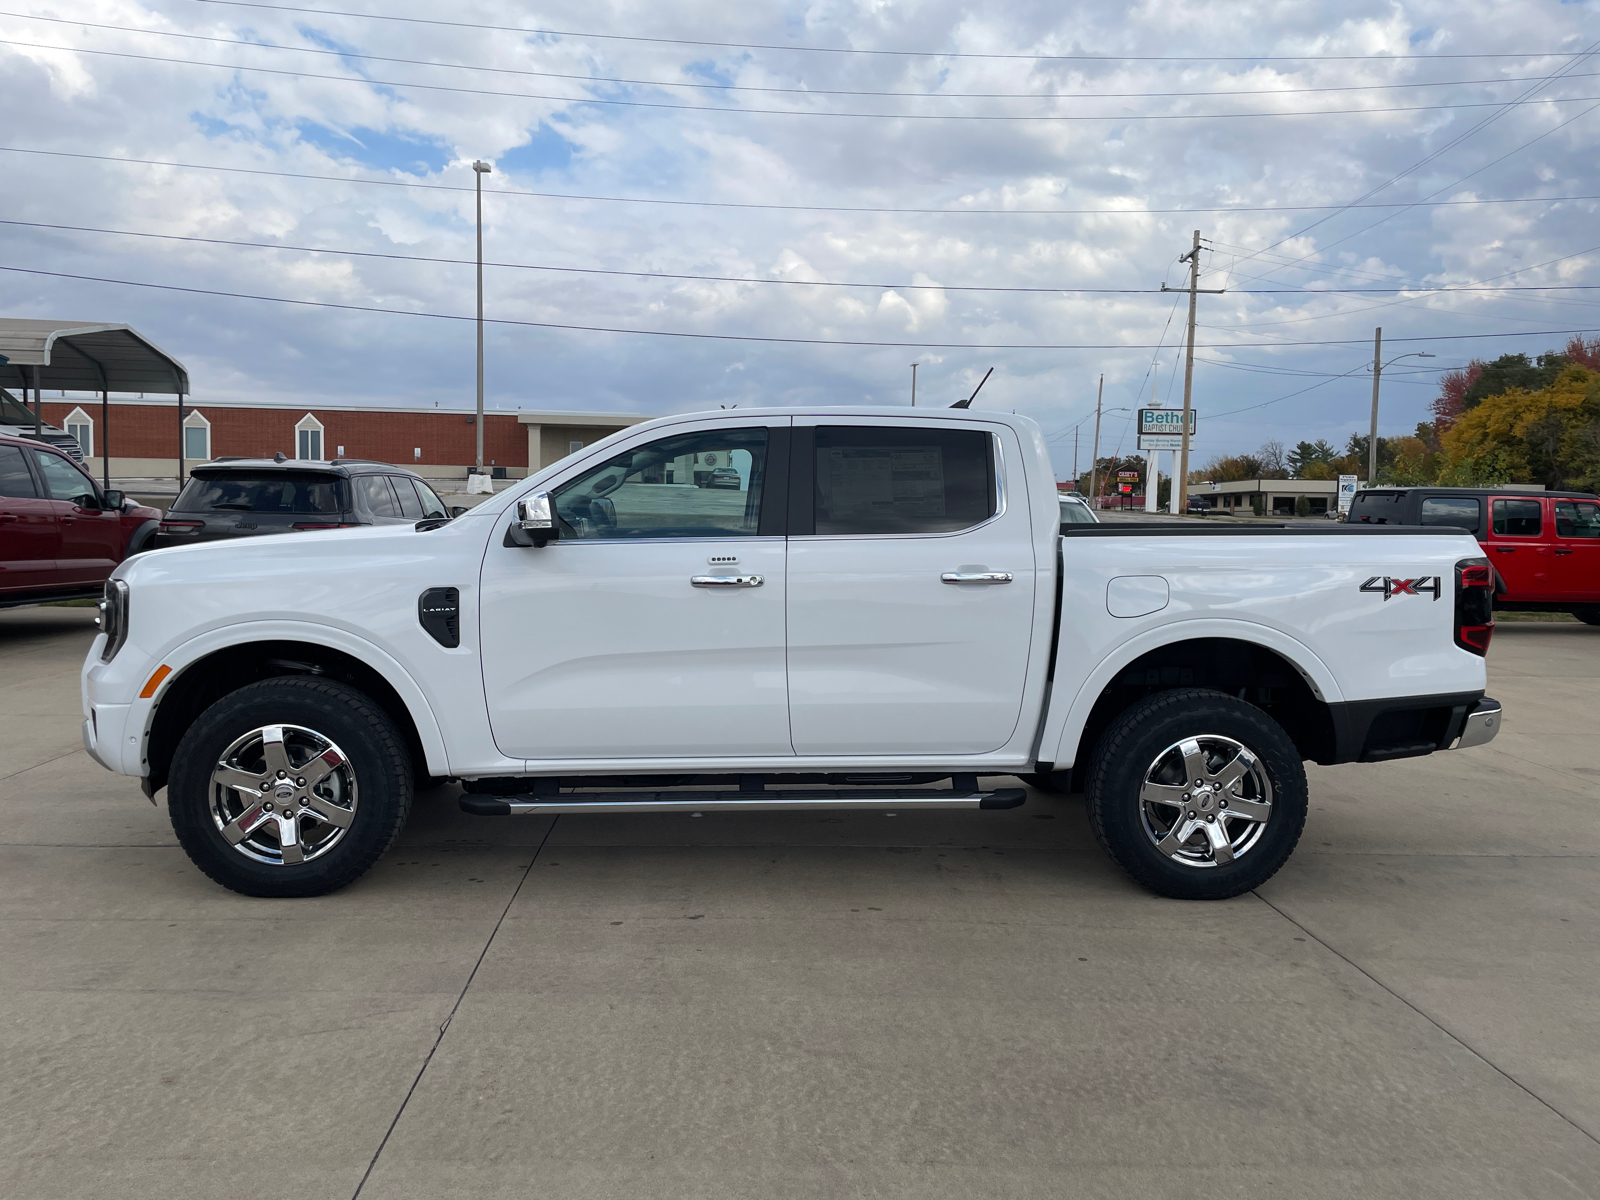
[
  {"x": 1197, "y": 795},
  {"x": 292, "y": 786}
]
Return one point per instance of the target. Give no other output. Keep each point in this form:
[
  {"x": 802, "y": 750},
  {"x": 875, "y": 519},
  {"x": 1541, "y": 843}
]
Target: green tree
[
  {"x": 1513, "y": 371},
  {"x": 1306, "y": 453}
]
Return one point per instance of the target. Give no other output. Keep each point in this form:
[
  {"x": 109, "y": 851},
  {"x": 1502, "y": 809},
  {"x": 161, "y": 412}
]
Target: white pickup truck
[{"x": 886, "y": 602}]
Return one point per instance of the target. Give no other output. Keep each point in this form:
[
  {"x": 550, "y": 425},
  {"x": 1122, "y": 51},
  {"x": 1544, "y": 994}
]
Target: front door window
[{"x": 695, "y": 485}]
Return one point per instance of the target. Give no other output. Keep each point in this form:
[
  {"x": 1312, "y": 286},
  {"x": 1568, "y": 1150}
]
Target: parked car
[
  {"x": 1075, "y": 510},
  {"x": 1544, "y": 546},
  {"x": 17, "y": 418},
  {"x": 724, "y": 477},
  {"x": 249, "y": 497},
  {"x": 61, "y": 533},
  {"x": 896, "y": 604}
]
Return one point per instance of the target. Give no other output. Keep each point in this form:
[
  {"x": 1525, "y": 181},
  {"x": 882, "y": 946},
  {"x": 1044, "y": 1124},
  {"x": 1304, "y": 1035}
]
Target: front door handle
[
  {"x": 727, "y": 581},
  {"x": 976, "y": 577}
]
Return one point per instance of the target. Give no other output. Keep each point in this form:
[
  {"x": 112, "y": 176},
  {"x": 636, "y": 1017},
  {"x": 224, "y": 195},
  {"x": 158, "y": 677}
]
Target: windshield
[
  {"x": 13, "y": 411},
  {"x": 239, "y": 491},
  {"x": 1075, "y": 512}
]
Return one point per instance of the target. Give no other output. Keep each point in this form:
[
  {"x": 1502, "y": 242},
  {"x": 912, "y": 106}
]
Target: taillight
[
  {"x": 324, "y": 524},
  {"x": 182, "y": 526},
  {"x": 1474, "y": 605}
]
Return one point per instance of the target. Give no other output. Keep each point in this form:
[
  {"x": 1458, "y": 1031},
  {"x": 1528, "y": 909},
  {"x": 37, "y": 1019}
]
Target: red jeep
[
  {"x": 61, "y": 533},
  {"x": 1544, "y": 546}
]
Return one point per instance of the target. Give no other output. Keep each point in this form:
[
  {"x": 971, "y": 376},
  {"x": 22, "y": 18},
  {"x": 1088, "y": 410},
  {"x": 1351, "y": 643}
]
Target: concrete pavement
[{"x": 972, "y": 1004}]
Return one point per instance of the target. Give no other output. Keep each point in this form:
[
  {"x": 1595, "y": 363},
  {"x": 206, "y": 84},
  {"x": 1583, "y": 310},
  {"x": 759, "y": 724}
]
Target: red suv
[
  {"x": 60, "y": 532},
  {"x": 1544, "y": 546}
]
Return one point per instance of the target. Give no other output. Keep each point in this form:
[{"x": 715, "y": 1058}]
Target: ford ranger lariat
[{"x": 886, "y": 613}]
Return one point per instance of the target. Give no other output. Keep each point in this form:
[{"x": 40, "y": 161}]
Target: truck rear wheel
[
  {"x": 1197, "y": 795},
  {"x": 292, "y": 786}
]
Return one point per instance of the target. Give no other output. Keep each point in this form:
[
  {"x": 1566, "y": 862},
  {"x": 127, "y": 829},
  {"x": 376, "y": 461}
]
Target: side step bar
[{"x": 686, "y": 801}]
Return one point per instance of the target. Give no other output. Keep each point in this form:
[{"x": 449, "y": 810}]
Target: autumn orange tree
[{"x": 1549, "y": 435}]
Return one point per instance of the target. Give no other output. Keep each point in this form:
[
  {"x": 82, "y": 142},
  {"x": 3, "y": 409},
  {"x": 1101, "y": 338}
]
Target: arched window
[
  {"x": 308, "y": 438},
  {"x": 196, "y": 438},
  {"x": 81, "y": 426}
]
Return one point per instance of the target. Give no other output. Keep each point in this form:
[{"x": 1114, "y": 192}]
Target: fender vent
[{"x": 439, "y": 610}]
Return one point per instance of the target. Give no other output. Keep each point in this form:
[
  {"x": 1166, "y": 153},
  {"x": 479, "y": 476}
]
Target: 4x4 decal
[{"x": 1390, "y": 586}]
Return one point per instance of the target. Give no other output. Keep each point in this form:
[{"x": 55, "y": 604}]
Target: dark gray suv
[{"x": 247, "y": 497}]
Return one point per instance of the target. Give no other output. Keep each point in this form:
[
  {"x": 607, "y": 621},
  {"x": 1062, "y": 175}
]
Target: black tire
[
  {"x": 374, "y": 752},
  {"x": 1135, "y": 742},
  {"x": 1589, "y": 614}
]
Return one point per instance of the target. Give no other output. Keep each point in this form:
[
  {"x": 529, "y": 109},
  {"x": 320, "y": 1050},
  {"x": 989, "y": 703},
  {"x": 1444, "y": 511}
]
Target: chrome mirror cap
[{"x": 535, "y": 514}]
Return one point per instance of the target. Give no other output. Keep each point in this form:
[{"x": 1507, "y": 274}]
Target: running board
[{"x": 697, "y": 802}]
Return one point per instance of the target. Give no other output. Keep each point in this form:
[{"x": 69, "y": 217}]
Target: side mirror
[
  {"x": 535, "y": 522},
  {"x": 113, "y": 500},
  {"x": 457, "y": 511}
]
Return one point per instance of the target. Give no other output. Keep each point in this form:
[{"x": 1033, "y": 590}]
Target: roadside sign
[
  {"x": 1164, "y": 420},
  {"x": 1347, "y": 492},
  {"x": 1124, "y": 487},
  {"x": 1161, "y": 441},
  {"x": 1127, "y": 474}
]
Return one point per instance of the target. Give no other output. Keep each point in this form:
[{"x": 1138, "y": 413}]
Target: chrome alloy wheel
[
  {"x": 1205, "y": 801},
  {"x": 283, "y": 795}
]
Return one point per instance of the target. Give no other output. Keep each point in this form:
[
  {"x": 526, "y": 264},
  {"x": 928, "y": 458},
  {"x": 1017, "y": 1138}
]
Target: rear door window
[
  {"x": 378, "y": 495},
  {"x": 902, "y": 480},
  {"x": 1577, "y": 519},
  {"x": 1461, "y": 511},
  {"x": 15, "y": 478},
  {"x": 410, "y": 506},
  {"x": 244, "y": 492},
  {"x": 1517, "y": 518}
]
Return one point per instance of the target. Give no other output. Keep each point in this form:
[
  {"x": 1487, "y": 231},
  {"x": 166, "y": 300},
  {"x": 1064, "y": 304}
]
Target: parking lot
[{"x": 799, "y": 1005}]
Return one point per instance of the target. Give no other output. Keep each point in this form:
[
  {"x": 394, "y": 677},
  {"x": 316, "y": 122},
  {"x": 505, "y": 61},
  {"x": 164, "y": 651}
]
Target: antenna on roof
[{"x": 967, "y": 403}]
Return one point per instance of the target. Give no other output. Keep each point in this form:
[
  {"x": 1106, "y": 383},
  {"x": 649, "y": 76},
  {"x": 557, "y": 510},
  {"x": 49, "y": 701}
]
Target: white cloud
[{"x": 175, "y": 112}]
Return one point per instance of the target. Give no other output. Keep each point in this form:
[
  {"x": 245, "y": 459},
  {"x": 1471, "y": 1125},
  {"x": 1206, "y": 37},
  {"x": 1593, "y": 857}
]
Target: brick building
[{"x": 440, "y": 443}]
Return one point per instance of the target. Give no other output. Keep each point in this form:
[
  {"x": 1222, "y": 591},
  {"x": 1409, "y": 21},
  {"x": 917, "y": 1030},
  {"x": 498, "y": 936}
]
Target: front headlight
[{"x": 113, "y": 618}]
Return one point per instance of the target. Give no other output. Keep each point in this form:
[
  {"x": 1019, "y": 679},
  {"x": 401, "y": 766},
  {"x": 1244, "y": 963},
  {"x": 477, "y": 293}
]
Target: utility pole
[
  {"x": 1094, "y": 457},
  {"x": 1180, "y": 477},
  {"x": 1372, "y": 440},
  {"x": 479, "y": 170},
  {"x": 913, "y": 385},
  {"x": 1152, "y": 460},
  {"x": 1075, "y": 454},
  {"x": 1377, "y": 371}
]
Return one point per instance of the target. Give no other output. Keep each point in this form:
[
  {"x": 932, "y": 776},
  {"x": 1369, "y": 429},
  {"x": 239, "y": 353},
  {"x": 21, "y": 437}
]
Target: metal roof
[{"x": 86, "y": 356}]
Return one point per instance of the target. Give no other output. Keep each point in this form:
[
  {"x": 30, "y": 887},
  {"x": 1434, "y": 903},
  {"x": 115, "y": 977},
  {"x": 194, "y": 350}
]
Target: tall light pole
[
  {"x": 479, "y": 170},
  {"x": 913, "y": 385},
  {"x": 1377, "y": 373}
]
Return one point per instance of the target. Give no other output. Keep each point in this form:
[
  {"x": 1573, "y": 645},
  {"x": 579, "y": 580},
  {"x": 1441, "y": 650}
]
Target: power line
[
  {"x": 618, "y": 37},
  {"x": 733, "y": 337},
  {"x": 1119, "y": 118},
  {"x": 734, "y": 204},
  {"x": 1452, "y": 143},
  {"x": 899, "y": 287},
  {"x": 707, "y": 85}
]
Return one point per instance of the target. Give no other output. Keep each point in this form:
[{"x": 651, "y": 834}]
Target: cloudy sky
[{"x": 1009, "y": 183}]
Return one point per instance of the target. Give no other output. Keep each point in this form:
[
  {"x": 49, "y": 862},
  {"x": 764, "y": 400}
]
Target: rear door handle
[
  {"x": 8, "y": 518},
  {"x": 727, "y": 581},
  {"x": 1505, "y": 549},
  {"x": 1563, "y": 550},
  {"x": 976, "y": 577}
]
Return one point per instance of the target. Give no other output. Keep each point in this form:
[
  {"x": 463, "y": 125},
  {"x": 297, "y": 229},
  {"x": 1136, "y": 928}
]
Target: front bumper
[{"x": 1481, "y": 725}]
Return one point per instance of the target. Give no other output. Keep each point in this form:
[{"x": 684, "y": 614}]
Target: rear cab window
[
  {"x": 263, "y": 493},
  {"x": 15, "y": 478},
  {"x": 1516, "y": 517}
]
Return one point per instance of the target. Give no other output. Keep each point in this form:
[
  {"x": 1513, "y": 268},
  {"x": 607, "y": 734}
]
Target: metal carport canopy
[{"x": 86, "y": 356}]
